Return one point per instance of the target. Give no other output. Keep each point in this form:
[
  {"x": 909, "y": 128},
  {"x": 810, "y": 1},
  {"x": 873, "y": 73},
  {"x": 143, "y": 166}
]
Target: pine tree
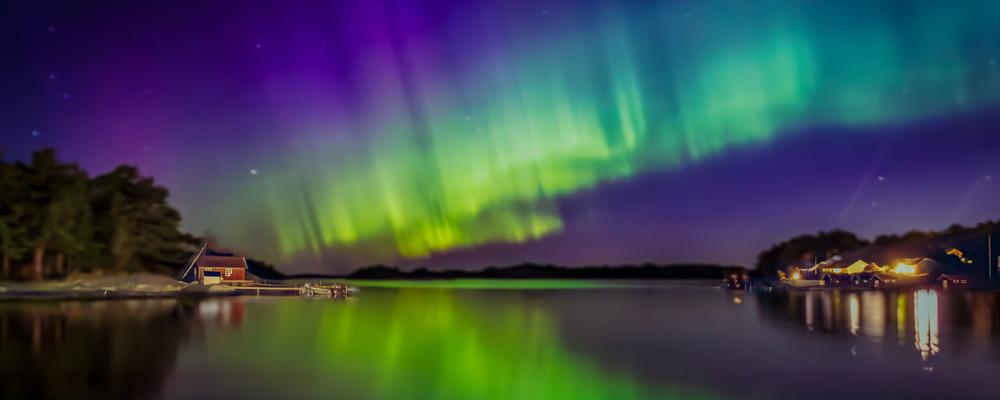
[
  {"x": 13, "y": 217},
  {"x": 57, "y": 220},
  {"x": 140, "y": 228},
  {"x": 57, "y": 196}
]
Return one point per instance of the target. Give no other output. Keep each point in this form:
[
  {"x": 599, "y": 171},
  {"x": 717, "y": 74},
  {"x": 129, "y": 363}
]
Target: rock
[{"x": 221, "y": 289}]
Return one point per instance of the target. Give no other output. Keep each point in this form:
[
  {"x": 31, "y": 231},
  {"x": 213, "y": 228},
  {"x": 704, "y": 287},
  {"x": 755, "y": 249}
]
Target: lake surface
[{"x": 510, "y": 340}]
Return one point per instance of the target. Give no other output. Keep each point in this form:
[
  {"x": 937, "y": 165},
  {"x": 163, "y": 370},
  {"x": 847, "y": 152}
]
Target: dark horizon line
[{"x": 529, "y": 270}]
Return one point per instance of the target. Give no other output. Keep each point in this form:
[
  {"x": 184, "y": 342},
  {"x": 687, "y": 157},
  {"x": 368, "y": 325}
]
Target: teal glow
[{"x": 432, "y": 157}]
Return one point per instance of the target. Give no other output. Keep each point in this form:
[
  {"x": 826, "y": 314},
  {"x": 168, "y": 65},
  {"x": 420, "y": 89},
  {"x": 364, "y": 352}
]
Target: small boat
[
  {"x": 332, "y": 290},
  {"x": 735, "y": 282},
  {"x": 310, "y": 290}
]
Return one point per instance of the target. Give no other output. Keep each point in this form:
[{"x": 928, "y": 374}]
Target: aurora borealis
[{"x": 327, "y": 135}]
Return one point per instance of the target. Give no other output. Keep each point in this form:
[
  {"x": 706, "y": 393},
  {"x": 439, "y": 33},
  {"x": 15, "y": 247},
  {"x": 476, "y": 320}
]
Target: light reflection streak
[
  {"x": 925, "y": 322},
  {"x": 900, "y": 318},
  {"x": 854, "y": 312},
  {"x": 873, "y": 314},
  {"x": 809, "y": 310}
]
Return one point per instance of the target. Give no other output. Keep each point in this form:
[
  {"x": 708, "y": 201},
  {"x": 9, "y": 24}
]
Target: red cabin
[
  {"x": 219, "y": 269},
  {"x": 210, "y": 267}
]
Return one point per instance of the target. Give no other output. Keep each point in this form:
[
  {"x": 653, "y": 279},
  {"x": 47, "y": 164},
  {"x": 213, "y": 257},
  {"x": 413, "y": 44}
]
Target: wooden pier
[
  {"x": 268, "y": 291},
  {"x": 253, "y": 288}
]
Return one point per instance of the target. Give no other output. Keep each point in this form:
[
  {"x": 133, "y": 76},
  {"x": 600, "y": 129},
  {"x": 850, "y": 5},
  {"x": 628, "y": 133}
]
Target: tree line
[{"x": 55, "y": 219}]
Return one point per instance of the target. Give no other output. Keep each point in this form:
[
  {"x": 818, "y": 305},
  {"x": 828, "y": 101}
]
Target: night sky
[{"x": 326, "y": 135}]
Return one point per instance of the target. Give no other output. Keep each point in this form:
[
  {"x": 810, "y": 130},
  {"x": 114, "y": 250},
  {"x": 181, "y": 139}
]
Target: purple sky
[{"x": 705, "y": 131}]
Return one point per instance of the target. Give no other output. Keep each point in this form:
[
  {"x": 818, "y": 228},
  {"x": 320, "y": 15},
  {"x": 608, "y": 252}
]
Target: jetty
[{"x": 230, "y": 273}]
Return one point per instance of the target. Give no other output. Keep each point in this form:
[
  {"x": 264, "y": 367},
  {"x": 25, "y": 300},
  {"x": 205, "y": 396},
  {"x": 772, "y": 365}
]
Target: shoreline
[
  {"x": 75, "y": 290},
  {"x": 147, "y": 286}
]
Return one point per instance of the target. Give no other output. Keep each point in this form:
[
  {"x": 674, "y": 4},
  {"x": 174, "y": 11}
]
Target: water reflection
[
  {"x": 925, "y": 322},
  {"x": 102, "y": 349},
  {"x": 900, "y": 317},
  {"x": 388, "y": 344},
  {"x": 873, "y": 313},
  {"x": 223, "y": 312},
  {"x": 414, "y": 343},
  {"x": 911, "y": 318},
  {"x": 854, "y": 311},
  {"x": 645, "y": 342}
]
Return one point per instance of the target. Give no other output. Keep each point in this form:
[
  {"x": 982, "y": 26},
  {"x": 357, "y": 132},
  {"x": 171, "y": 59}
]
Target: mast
[
  {"x": 194, "y": 259},
  {"x": 989, "y": 252}
]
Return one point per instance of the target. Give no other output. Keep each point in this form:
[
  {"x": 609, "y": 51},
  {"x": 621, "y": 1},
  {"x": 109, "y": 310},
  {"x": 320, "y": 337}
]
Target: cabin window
[{"x": 229, "y": 271}]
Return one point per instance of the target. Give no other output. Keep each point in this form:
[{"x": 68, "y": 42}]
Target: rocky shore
[{"x": 85, "y": 286}]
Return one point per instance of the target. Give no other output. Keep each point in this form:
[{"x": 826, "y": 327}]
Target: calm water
[{"x": 526, "y": 340}]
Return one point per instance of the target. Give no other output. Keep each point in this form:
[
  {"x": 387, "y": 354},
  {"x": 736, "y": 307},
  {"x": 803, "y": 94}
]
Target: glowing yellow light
[
  {"x": 836, "y": 270},
  {"x": 796, "y": 275},
  {"x": 905, "y": 269}
]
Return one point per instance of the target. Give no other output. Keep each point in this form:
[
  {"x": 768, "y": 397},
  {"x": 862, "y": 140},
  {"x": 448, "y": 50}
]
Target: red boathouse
[
  {"x": 219, "y": 269},
  {"x": 209, "y": 267}
]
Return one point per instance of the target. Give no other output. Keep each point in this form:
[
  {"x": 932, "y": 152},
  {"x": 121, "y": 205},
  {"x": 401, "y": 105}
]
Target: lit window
[{"x": 229, "y": 271}]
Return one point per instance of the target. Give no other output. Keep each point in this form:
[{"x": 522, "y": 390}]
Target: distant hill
[
  {"x": 264, "y": 270},
  {"x": 548, "y": 271}
]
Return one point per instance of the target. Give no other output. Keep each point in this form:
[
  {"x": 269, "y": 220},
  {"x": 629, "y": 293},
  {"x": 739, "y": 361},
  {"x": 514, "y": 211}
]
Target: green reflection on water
[
  {"x": 492, "y": 284},
  {"x": 425, "y": 343}
]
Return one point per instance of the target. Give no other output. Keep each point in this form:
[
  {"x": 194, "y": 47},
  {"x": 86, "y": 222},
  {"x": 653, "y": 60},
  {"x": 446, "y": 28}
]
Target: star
[
  {"x": 254, "y": 172},
  {"x": 545, "y": 12},
  {"x": 65, "y": 96},
  {"x": 35, "y": 134},
  {"x": 258, "y": 45},
  {"x": 468, "y": 117},
  {"x": 881, "y": 178},
  {"x": 53, "y": 76},
  {"x": 874, "y": 204},
  {"x": 988, "y": 177},
  {"x": 52, "y": 29}
]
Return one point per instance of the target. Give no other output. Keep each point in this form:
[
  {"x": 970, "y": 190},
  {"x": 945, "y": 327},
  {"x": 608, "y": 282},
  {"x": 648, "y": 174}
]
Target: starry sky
[{"x": 326, "y": 135}]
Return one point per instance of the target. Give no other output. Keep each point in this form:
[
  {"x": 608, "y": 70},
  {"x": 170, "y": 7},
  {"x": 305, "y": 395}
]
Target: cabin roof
[{"x": 222, "y": 261}]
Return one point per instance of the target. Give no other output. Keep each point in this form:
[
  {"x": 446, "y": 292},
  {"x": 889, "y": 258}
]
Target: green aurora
[{"x": 431, "y": 156}]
